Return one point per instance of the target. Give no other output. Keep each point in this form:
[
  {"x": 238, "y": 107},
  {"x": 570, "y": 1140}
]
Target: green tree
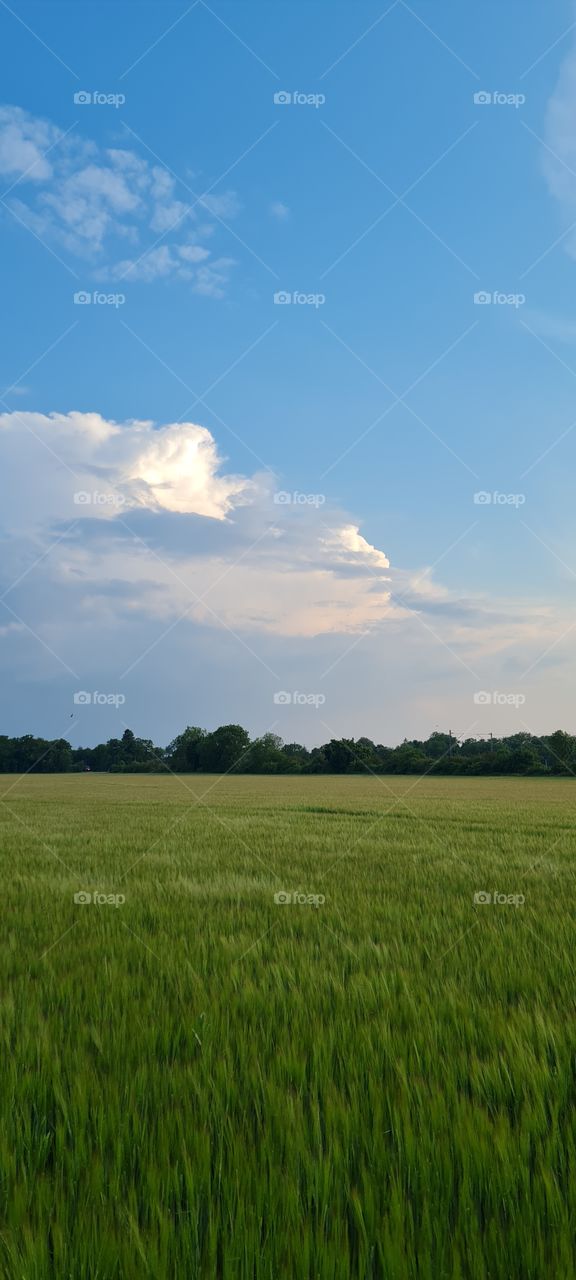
[
  {"x": 562, "y": 748},
  {"x": 438, "y": 744},
  {"x": 408, "y": 759},
  {"x": 264, "y": 755},
  {"x": 222, "y": 751},
  {"x": 58, "y": 758},
  {"x": 317, "y": 761},
  {"x": 184, "y": 754},
  {"x": 340, "y": 755},
  {"x": 296, "y": 757}
]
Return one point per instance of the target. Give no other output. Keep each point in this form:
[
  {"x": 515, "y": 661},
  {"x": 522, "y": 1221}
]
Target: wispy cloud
[
  {"x": 280, "y": 211},
  {"x": 91, "y": 201},
  {"x": 559, "y": 150}
]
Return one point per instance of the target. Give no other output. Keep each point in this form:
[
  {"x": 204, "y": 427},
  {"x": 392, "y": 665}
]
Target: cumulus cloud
[
  {"x": 179, "y": 466},
  {"x": 90, "y": 200},
  {"x": 173, "y": 468},
  {"x": 128, "y": 543},
  {"x": 146, "y": 501},
  {"x": 351, "y": 547}
]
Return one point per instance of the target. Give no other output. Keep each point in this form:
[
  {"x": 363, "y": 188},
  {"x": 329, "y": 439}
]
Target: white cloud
[
  {"x": 193, "y": 252},
  {"x": 24, "y": 140},
  {"x": 179, "y": 465},
  {"x": 181, "y": 261},
  {"x": 170, "y": 216},
  {"x": 287, "y": 573},
  {"x": 226, "y": 205},
  {"x": 88, "y": 205},
  {"x": 559, "y": 161},
  {"x": 211, "y": 279},
  {"x": 155, "y": 265},
  {"x": 172, "y": 468},
  {"x": 172, "y": 532},
  {"x": 89, "y": 199},
  {"x": 279, "y": 210},
  {"x": 349, "y": 544},
  {"x": 194, "y": 582}
]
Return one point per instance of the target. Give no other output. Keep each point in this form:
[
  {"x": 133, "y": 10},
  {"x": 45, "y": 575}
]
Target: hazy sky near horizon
[{"x": 287, "y": 388}]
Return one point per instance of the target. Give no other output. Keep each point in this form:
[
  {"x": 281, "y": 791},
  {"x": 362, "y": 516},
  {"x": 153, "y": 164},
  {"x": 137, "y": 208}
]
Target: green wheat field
[{"x": 374, "y": 1079}]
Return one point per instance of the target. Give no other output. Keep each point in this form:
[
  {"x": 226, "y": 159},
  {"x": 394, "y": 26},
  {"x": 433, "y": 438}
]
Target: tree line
[{"x": 229, "y": 749}]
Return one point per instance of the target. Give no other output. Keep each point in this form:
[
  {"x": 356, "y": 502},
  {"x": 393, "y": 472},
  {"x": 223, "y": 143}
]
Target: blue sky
[{"x": 390, "y": 198}]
